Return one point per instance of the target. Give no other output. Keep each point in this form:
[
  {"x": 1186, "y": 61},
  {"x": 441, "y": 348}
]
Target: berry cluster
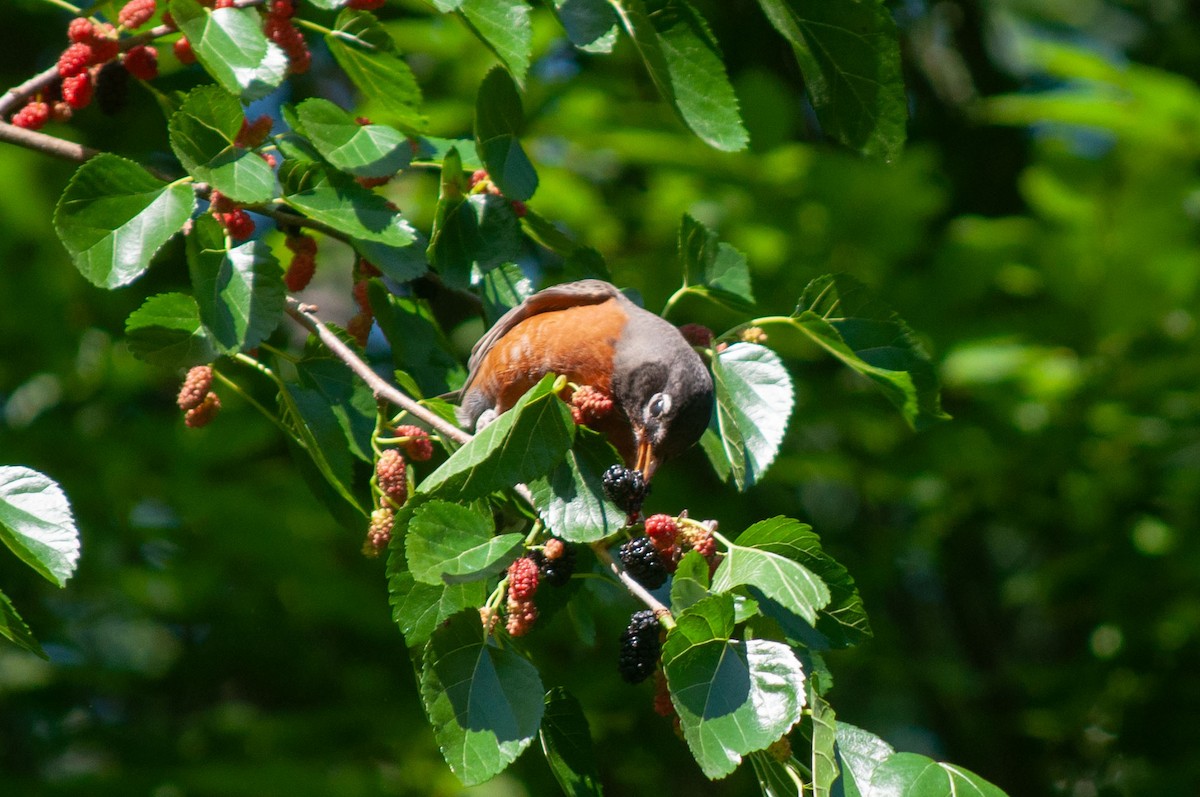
[
  {"x": 233, "y": 218},
  {"x": 481, "y": 183},
  {"x": 136, "y": 13},
  {"x": 590, "y": 404},
  {"x": 304, "y": 262},
  {"x": 379, "y": 532},
  {"x": 391, "y": 474},
  {"x": 697, "y": 335},
  {"x": 673, "y": 538},
  {"x": 196, "y": 398},
  {"x": 753, "y": 335},
  {"x": 643, "y": 562},
  {"x": 555, "y": 561},
  {"x": 641, "y": 645},
  {"x": 520, "y": 609},
  {"x": 280, "y": 29},
  {"x": 252, "y": 134},
  {"x": 625, "y": 487}
]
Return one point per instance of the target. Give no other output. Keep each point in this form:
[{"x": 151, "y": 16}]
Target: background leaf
[
  {"x": 166, "y": 330},
  {"x": 713, "y": 268},
  {"x": 754, "y": 402},
  {"x": 849, "y": 52},
  {"x": 505, "y": 27},
  {"x": 114, "y": 216},
  {"x": 499, "y": 120},
  {"x": 36, "y": 523},
  {"x": 591, "y": 25},
  {"x": 485, "y": 702},
  {"x": 204, "y": 132},
  {"x": 230, "y": 45},
  {"x": 567, "y": 744}
]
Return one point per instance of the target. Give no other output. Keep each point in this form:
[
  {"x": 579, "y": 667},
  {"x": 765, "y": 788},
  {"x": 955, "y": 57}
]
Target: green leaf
[
  {"x": 503, "y": 288},
  {"x": 683, "y": 60},
  {"x": 349, "y": 398},
  {"x": 777, "y": 778},
  {"x": 366, "y": 52},
  {"x": 842, "y": 621},
  {"x": 203, "y": 135},
  {"x": 448, "y": 542},
  {"x": 754, "y": 403},
  {"x": 712, "y": 268},
  {"x": 335, "y": 199},
  {"x": 14, "y": 629},
  {"x": 114, "y": 216},
  {"x": 859, "y": 754},
  {"x": 763, "y": 558},
  {"x": 362, "y": 150},
  {"x": 316, "y": 426},
  {"x": 36, "y": 523},
  {"x": 476, "y": 232},
  {"x": 418, "y": 345},
  {"x": 499, "y": 119},
  {"x": 690, "y": 583},
  {"x": 485, "y": 702},
  {"x": 520, "y": 445},
  {"x": 420, "y": 608},
  {"x": 912, "y": 775},
  {"x": 229, "y": 43},
  {"x": 824, "y": 767},
  {"x": 567, "y": 744},
  {"x": 570, "y": 499},
  {"x": 431, "y": 149},
  {"x": 447, "y": 5},
  {"x": 838, "y": 313},
  {"x": 166, "y": 330},
  {"x": 849, "y": 52},
  {"x": 505, "y": 27},
  {"x": 239, "y": 291},
  {"x": 591, "y": 25},
  {"x": 732, "y": 697}
]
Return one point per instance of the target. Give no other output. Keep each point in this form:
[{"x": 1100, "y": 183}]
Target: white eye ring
[{"x": 658, "y": 406}]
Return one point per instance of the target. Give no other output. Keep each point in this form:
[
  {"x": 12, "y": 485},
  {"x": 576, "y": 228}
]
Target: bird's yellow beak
[{"x": 647, "y": 462}]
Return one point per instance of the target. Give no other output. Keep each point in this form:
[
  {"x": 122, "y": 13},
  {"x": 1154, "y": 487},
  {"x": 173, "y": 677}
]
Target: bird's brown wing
[{"x": 557, "y": 297}]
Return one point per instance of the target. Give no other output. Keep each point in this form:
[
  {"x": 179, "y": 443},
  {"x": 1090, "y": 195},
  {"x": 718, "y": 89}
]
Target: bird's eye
[{"x": 659, "y": 405}]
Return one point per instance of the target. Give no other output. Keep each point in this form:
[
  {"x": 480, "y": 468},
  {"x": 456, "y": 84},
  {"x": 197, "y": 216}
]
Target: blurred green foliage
[{"x": 1029, "y": 568}]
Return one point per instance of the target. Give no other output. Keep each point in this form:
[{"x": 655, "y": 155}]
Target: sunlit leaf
[{"x": 36, "y": 523}]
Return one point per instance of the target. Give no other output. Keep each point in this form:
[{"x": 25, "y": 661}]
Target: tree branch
[{"x": 50, "y": 145}]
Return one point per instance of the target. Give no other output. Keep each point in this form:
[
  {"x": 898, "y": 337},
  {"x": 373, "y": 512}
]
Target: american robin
[{"x": 594, "y": 335}]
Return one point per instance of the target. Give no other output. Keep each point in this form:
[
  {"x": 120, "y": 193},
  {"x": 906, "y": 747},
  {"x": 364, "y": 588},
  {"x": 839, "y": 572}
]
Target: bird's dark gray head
[{"x": 663, "y": 386}]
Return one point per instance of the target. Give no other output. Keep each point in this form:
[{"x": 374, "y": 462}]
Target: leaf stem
[
  {"x": 236, "y": 388},
  {"x": 675, "y": 297},
  {"x": 63, "y": 4}
]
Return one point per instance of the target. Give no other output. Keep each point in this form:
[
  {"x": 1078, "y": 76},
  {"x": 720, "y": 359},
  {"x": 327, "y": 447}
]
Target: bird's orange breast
[{"x": 577, "y": 342}]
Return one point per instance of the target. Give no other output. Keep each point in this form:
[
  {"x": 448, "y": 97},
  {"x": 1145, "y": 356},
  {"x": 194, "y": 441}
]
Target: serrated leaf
[
  {"x": 732, "y": 697},
  {"x": 518, "y": 446},
  {"x": 591, "y": 25},
  {"x": 418, "y": 344},
  {"x": 335, "y": 199},
  {"x": 418, "y": 609},
  {"x": 448, "y": 542},
  {"x": 859, "y": 754},
  {"x": 14, "y": 629},
  {"x": 431, "y": 149},
  {"x": 349, "y": 398},
  {"x": 682, "y": 58},
  {"x": 823, "y": 762},
  {"x": 369, "y": 150},
  {"x": 570, "y": 499},
  {"x": 316, "y": 426},
  {"x": 203, "y": 135},
  {"x": 712, "y": 268},
  {"x": 36, "y": 523},
  {"x": 912, "y": 775},
  {"x": 502, "y": 289},
  {"x": 505, "y": 27},
  {"x": 849, "y": 52},
  {"x": 838, "y": 313},
  {"x": 567, "y": 744},
  {"x": 366, "y": 52},
  {"x": 485, "y": 702},
  {"x": 239, "y": 291},
  {"x": 760, "y": 559},
  {"x": 499, "y": 119},
  {"x": 690, "y": 583},
  {"x": 476, "y": 232},
  {"x": 114, "y": 216},
  {"x": 754, "y": 403},
  {"x": 229, "y": 43},
  {"x": 777, "y": 778},
  {"x": 166, "y": 330}
]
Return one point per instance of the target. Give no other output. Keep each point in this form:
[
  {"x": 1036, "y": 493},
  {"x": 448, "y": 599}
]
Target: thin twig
[
  {"x": 663, "y": 613},
  {"x": 306, "y": 315},
  {"x": 50, "y": 145}
]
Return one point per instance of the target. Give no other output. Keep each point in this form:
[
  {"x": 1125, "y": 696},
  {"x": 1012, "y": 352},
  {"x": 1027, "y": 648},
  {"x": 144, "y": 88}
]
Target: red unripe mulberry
[
  {"x": 33, "y": 116},
  {"x": 204, "y": 413},
  {"x": 136, "y": 13},
  {"x": 75, "y": 59},
  {"x": 195, "y": 387},
  {"x": 77, "y": 90},
  {"x": 391, "y": 475},
  {"x": 81, "y": 30},
  {"x": 300, "y": 272},
  {"x": 183, "y": 51},
  {"x": 522, "y": 578},
  {"x": 142, "y": 62},
  {"x": 419, "y": 446}
]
